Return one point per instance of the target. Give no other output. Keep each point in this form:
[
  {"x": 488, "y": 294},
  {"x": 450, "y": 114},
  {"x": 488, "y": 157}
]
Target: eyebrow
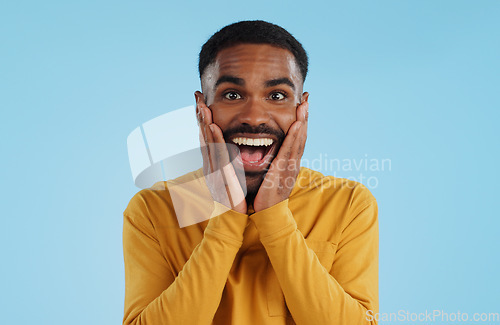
[
  {"x": 279, "y": 81},
  {"x": 241, "y": 82},
  {"x": 231, "y": 79}
]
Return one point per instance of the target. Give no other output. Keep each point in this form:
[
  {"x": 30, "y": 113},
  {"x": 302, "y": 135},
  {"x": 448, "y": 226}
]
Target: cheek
[
  {"x": 221, "y": 118},
  {"x": 217, "y": 116},
  {"x": 286, "y": 120}
]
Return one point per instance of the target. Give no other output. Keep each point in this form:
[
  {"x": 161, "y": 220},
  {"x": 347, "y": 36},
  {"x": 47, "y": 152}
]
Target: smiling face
[{"x": 253, "y": 91}]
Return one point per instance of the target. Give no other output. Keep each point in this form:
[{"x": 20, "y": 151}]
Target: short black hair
[{"x": 252, "y": 32}]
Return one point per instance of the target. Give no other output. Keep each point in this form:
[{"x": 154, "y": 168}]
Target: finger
[
  {"x": 205, "y": 142},
  {"x": 299, "y": 144},
  {"x": 303, "y": 116},
  {"x": 280, "y": 163},
  {"x": 205, "y": 113},
  {"x": 286, "y": 148},
  {"x": 212, "y": 150},
  {"x": 294, "y": 143},
  {"x": 207, "y": 169},
  {"x": 303, "y": 112},
  {"x": 204, "y": 152},
  {"x": 206, "y": 116},
  {"x": 296, "y": 131},
  {"x": 205, "y": 119},
  {"x": 220, "y": 145}
]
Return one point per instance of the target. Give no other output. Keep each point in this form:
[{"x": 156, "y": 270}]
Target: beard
[{"x": 253, "y": 183}]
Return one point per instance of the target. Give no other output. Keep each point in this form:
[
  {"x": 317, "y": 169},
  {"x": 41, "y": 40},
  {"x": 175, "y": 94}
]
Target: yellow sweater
[{"x": 311, "y": 259}]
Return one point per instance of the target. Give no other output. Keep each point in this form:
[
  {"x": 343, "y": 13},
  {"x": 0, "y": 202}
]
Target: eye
[
  {"x": 277, "y": 96},
  {"x": 232, "y": 95}
]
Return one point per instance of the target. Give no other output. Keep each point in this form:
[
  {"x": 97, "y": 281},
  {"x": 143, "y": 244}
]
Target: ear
[
  {"x": 200, "y": 98},
  {"x": 305, "y": 97}
]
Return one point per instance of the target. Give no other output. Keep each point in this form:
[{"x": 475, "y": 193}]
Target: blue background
[{"x": 416, "y": 82}]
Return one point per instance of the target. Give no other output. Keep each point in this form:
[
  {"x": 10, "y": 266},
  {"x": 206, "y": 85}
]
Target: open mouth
[{"x": 255, "y": 153}]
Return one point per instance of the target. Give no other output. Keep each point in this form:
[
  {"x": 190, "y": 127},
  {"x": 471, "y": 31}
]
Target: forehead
[{"x": 260, "y": 61}]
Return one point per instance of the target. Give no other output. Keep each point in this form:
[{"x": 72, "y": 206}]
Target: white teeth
[{"x": 253, "y": 142}]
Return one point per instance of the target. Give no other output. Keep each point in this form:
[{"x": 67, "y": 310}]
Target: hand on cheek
[
  {"x": 282, "y": 174},
  {"x": 220, "y": 176}
]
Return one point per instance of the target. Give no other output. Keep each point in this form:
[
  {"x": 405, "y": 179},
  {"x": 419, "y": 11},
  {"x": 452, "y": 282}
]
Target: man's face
[{"x": 253, "y": 91}]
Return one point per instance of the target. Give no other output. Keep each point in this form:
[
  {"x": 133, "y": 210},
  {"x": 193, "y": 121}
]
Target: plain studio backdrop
[{"x": 411, "y": 86}]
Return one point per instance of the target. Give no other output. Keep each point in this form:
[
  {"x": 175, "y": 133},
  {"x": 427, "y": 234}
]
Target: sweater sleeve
[
  {"x": 153, "y": 295},
  {"x": 343, "y": 296}
]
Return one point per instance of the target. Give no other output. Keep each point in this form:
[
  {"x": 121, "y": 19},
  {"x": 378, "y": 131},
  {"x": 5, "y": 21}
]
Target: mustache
[{"x": 262, "y": 128}]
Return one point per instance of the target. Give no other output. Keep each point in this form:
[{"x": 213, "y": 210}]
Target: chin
[{"x": 253, "y": 181}]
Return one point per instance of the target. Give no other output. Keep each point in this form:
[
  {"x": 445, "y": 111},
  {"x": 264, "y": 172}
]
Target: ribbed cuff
[
  {"x": 274, "y": 221},
  {"x": 227, "y": 224}
]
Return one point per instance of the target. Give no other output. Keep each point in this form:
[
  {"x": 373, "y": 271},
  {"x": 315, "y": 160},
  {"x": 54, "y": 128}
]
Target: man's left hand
[{"x": 280, "y": 179}]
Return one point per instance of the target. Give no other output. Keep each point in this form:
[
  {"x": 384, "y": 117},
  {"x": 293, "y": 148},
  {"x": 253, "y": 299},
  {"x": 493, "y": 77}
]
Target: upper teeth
[{"x": 253, "y": 142}]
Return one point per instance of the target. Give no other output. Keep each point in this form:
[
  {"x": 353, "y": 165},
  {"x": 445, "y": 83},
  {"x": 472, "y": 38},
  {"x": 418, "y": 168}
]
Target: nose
[{"x": 254, "y": 113}]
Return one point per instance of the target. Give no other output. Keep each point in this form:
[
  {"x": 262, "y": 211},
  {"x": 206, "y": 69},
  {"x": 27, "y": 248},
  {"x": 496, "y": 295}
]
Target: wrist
[{"x": 274, "y": 219}]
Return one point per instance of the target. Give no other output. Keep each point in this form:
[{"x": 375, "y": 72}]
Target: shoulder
[
  {"x": 155, "y": 204},
  {"x": 143, "y": 204},
  {"x": 348, "y": 196},
  {"x": 310, "y": 181}
]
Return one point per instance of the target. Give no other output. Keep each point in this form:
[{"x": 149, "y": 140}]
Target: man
[{"x": 298, "y": 248}]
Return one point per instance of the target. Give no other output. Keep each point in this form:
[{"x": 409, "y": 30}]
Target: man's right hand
[{"x": 219, "y": 172}]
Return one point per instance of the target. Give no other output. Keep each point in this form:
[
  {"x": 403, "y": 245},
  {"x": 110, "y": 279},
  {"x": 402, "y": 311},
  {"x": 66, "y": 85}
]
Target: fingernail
[
  {"x": 202, "y": 115},
  {"x": 211, "y": 128}
]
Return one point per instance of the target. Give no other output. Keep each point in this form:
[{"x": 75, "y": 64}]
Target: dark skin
[{"x": 254, "y": 85}]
